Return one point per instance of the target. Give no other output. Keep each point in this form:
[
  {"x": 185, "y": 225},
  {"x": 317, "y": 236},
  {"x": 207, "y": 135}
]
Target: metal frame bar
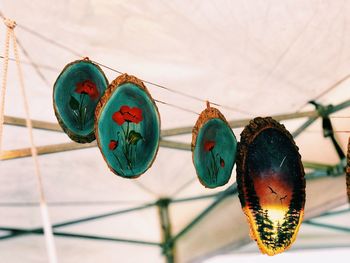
[
  {"x": 169, "y": 241},
  {"x": 165, "y": 227},
  {"x": 71, "y": 146},
  {"x": 25, "y": 152},
  {"x": 39, "y": 231},
  {"x": 333, "y": 227},
  {"x": 221, "y": 196}
]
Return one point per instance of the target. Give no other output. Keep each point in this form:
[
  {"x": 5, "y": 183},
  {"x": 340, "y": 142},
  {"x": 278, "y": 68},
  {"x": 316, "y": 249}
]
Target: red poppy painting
[
  {"x": 89, "y": 88},
  {"x": 214, "y": 148},
  {"x": 88, "y": 91},
  {"x": 127, "y": 127},
  {"x": 127, "y": 114},
  {"x": 127, "y": 118},
  {"x": 216, "y": 161},
  {"x": 76, "y": 93}
]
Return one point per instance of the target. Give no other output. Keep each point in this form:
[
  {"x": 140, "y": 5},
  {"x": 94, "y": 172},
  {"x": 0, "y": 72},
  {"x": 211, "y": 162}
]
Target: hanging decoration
[
  {"x": 348, "y": 171},
  {"x": 214, "y": 148},
  {"x": 127, "y": 127},
  {"x": 271, "y": 184},
  {"x": 76, "y": 93}
]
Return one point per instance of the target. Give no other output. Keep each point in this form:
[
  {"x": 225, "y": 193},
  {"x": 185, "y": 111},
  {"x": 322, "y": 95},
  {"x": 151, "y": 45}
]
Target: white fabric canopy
[{"x": 260, "y": 57}]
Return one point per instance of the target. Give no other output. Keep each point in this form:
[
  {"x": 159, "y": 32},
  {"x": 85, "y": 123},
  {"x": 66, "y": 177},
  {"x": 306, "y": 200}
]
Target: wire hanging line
[
  {"x": 75, "y": 53},
  {"x": 10, "y": 34},
  {"x": 326, "y": 91},
  {"x": 30, "y": 64}
]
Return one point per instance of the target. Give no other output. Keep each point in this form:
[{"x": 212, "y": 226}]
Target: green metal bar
[
  {"x": 335, "y": 170},
  {"x": 339, "y": 107},
  {"x": 37, "y": 231},
  {"x": 333, "y": 227},
  {"x": 304, "y": 126},
  {"x": 86, "y": 219},
  {"x": 334, "y": 213},
  {"x": 140, "y": 242},
  {"x": 68, "y": 203},
  {"x": 165, "y": 224},
  {"x": 312, "y": 165},
  {"x": 14, "y": 232},
  {"x": 194, "y": 198},
  {"x": 19, "y": 232},
  {"x": 228, "y": 192}
]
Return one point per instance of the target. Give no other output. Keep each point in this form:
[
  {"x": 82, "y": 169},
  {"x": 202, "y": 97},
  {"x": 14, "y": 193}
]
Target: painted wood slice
[
  {"x": 214, "y": 148},
  {"x": 76, "y": 93},
  {"x": 348, "y": 171},
  {"x": 271, "y": 184},
  {"x": 127, "y": 127}
]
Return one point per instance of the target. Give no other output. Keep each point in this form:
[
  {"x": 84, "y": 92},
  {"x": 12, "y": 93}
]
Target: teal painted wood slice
[
  {"x": 127, "y": 127},
  {"x": 214, "y": 148},
  {"x": 76, "y": 93}
]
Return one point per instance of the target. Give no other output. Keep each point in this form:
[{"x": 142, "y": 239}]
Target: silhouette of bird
[
  {"x": 283, "y": 198},
  {"x": 272, "y": 191}
]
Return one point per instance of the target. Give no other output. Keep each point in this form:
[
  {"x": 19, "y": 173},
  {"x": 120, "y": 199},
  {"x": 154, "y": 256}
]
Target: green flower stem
[
  {"x": 121, "y": 167},
  {"x": 215, "y": 168},
  {"x": 127, "y": 138},
  {"x": 128, "y": 162},
  {"x": 82, "y": 97}
]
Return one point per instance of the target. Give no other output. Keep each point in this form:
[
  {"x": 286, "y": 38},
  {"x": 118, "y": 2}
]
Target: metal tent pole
[{"x": 165, "y": 224}]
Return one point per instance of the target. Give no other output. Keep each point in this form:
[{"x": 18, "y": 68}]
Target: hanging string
[
  {"x": 177, "y": 107},
  {"x": 43, "y": 207},
  {"x": 4, "y": 77},
  {"x": 321, "y": 132},
  {"x": 75, "y": 53},
  {"x": 179, "y": 93},
  {"x": 38, "y": 65},
  {"x": 326, "y": 91},
  {"x": 34, "y": 65}
]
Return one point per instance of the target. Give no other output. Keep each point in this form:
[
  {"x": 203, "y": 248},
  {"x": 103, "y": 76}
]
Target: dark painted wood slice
[
  {"x": 348, "y": 171},
  {"x": 271, "y": 184},
  {"x": 76, "y": 93},
  {"x": 127, "y": 127},
  {"x": 214, "y": 148}
]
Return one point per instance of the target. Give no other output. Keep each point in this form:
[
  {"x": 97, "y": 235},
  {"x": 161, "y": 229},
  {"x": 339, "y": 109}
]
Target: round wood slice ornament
[
  {"x": 127, "y": 127},
  {"x": 271, "y": 184},
  {"x": 348, "y": 171},
  {"x": 214, "y": 148},
  {"x": 76, "y": 93}
]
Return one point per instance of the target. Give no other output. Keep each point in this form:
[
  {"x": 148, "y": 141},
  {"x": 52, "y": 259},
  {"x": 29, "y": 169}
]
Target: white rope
[
  {"x": 50, "y": 245},
  {"x": 9, "y": 24}
]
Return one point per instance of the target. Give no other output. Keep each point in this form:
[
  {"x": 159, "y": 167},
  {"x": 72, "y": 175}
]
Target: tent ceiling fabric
[{"x": 261, "y": 57}]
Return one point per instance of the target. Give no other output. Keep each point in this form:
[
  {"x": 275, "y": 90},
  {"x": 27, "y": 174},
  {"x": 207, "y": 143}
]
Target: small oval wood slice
[
  {"x": 214, "y": 148},
  {"x": 76, "y": 93},
  {"x": 271, "y": 184},
  {"x": 348, "y": 171},
  {"x": 127, "y": 127}
]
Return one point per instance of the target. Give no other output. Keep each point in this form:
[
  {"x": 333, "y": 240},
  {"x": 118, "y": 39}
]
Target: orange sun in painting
[{"x": 272, "y": 190}]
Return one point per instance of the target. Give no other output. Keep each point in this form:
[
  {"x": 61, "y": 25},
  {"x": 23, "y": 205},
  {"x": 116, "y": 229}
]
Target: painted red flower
[
  {"x": 128, "y": 114},
  {"x": 222, "y": 162},
  {"x": 113, "y": 145},
  {"x": 209, "y": 145},
  {"x": 88, "y": 87}
]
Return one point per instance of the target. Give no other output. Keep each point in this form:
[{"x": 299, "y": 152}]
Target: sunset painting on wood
[{"x": 270, "y": 178}]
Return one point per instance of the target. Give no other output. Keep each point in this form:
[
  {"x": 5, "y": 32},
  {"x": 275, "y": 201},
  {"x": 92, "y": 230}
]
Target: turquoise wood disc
[
  {"x": 127, "y": 127},
  {"x": 214, "y": 148},
  {"x": 76, "y": 93}
]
